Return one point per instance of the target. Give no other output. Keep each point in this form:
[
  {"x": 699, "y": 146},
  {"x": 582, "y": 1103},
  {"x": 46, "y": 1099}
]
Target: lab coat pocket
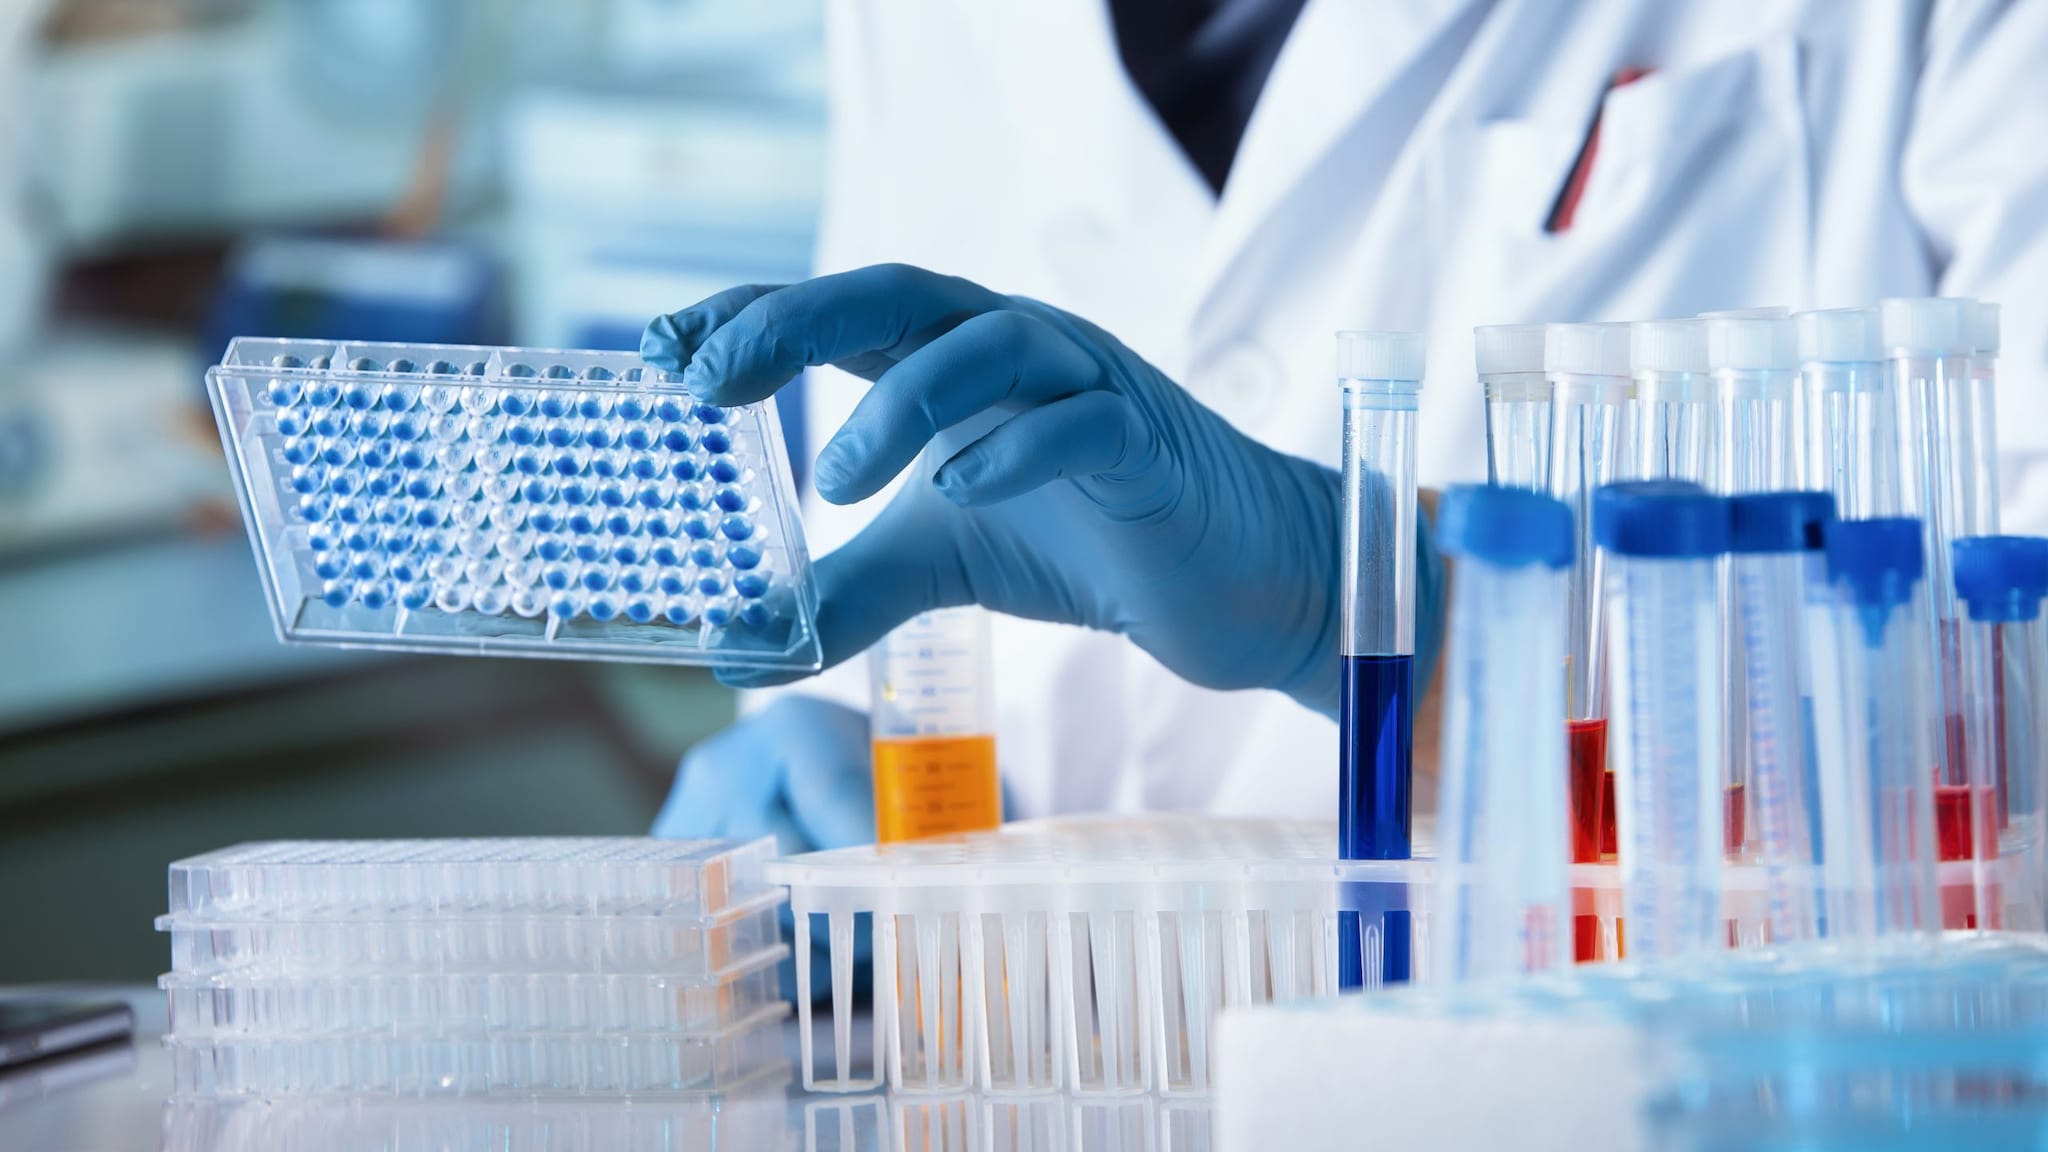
[{"x": 1695, "y": 197}]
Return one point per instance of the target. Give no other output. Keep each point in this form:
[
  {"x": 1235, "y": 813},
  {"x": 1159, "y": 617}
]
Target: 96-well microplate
[{"x": 514, "y": 502}]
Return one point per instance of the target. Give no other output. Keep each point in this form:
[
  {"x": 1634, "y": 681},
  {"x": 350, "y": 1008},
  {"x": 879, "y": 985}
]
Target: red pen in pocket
[{"x": 1566, "y": 205}]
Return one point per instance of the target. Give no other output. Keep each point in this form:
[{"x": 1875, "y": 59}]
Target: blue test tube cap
[
  {"x": 1779, "y": 521},
  {"x": 1663, "y": 519},
  {"x": 1878, "y": 560},
  {"x": 1507, "y": 527},
  {"x": 2001, "y": 579}
]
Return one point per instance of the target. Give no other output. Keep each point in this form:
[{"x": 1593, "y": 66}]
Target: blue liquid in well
[{"x": 1375, "y": 773}]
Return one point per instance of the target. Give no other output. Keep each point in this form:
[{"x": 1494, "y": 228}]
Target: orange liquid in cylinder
[{"x": 935, "y": 785}]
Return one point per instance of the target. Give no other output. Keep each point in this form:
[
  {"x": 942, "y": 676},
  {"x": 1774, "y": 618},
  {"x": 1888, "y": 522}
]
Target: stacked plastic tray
[
  {"x": 432, "y": 967},
  {"x": 513, "y": 502}
]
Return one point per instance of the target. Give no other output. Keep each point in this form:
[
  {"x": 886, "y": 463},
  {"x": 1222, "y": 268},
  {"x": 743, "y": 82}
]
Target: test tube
[
  {"x": 1664, "y": 540},
  {"x": 1502, "y": 817},
  {"x": 1381, "y": 380},
  {"x": 1942, "y": 451},
  {"x": 1674, "y": 412},
  {"x": 2001, "y": 581},
  {"x": 1851, "y": 441},
  {"x": 1776, "y": 540},
  {"x": 1754, "y": 359},
  {"x": 1871, "y": 723},
  {"x": 1588, "y": 366},
  {"x": 932, "y": 719},
  {"x": 1763, "y": 312},
  {"x": 1510, "y": 362}
]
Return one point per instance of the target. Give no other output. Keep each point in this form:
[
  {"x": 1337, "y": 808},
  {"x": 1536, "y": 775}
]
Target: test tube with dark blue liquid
[{"x": 1381, "y": 376}]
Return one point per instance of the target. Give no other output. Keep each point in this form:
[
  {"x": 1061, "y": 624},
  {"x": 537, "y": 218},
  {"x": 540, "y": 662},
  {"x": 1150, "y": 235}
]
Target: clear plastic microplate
[
  {"x": 494, "y": 1002},
  {"x": 379, "y": 879},
  {"x": 748, "y": 1118},
  {"x": 463, "y": 1064},
  {"x": 1083, "y": 954},
  {"x": 513, "y": 502},
  {"x": 688, "y": 910}
]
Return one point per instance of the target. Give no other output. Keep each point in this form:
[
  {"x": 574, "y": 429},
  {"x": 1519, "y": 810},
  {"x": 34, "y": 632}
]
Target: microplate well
[{"x": 513, "y": 502}]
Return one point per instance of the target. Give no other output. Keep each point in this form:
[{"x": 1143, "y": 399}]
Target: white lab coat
[{"x": 1396, "y": 174}]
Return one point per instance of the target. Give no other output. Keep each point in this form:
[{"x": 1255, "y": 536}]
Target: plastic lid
[
  {"x": 1667, "y": 346},
  {"x": 1666, "y": 518},
  {"x": 1586, "y": 349},
  {"x": 2002, "y": 578},
  {"x": 1925, "y": 326},
  {"x": 1840, "y": 336},
  {"x": 1779, "y": 521},
  {"x": 1498, "y": 349},
  {"x": 1380, "y": 355},
  {"x": 1767, "y": 312},
  {"x": 1752, "y": 344},
  {"x": 1510, "y": 527},
  {"x": 1984, "y": 328},
  {"x": 1879, "y": 560}
]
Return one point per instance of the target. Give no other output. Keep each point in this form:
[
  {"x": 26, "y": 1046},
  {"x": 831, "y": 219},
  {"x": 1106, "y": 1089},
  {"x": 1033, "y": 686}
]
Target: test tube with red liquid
[
  {"x": 1381, "y": 378},
  {"x": 1947, "y": 479},
  {"x": 2000, "y": 581},
  {"x": 1588, "y": 366}
]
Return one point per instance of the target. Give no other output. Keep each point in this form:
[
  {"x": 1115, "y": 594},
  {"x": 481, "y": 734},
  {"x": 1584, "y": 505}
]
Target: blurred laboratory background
[{"x": 174, "y": 173}]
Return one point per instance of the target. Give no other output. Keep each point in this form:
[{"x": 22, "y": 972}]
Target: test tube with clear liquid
[
  {"x": 1874, "y": 736},
  {"x": 1502, "y": 896},
  {"x": 1510, "y": 362},
  {"x": 1754, "y": 360},
  {"x": 1664, "y": 541},
  {"x": 1851, "y": 446},
  {"x": 1947, "y": 480},
  {"x": 1380, "y": 375},
  {"x": 1776, "y": 571},
  {"x": 1588, "y": 366},
  {"x": 1674, "y": 414},
  {"x": 932, "y": 718},
  {"x": 2000, "y": 581}
]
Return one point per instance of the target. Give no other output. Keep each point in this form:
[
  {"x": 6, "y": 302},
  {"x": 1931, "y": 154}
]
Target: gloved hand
[
  {"x": 799, "y": 770},
  {"x": 1109, "y": 497}
]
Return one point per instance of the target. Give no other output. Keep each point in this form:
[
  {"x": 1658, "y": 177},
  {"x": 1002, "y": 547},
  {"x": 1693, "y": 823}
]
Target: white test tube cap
[
  {"x": 1840, "y": 336},
  {"x": 1752, "y": 344},
  {"x": 1767, "y": 312},
  {"x": 1380, "y": 355},
  {"x": 1984, "y": 328},
  {"x": 1926, "y": 326},
  {"x": 1586, "y": 349},
  {"x": 1668, "y": 346},
  {"x": 1504, "y": 349}
]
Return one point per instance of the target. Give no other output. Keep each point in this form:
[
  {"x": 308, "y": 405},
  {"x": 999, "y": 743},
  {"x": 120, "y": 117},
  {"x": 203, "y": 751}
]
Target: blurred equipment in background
[
  {"x": 411, "y": 293},
  {"x": 177, "y": 172}
]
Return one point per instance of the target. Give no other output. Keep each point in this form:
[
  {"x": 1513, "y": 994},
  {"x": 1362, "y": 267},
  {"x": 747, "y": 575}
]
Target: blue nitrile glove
[
  {"x": 1109, "y": 497},
  {"x": 797, "y": 770}
]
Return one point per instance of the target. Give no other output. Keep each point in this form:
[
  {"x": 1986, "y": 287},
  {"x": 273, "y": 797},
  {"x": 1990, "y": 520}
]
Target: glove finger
[
  {"x": 1000, "y": 358},
  {"x": 902, "y": 564},
  {"x": 1089, "y": 434},
  {"x": 888, "y": 308},
  {"x": 726, "y": 779},
  {"x": 670, "y": 341}
]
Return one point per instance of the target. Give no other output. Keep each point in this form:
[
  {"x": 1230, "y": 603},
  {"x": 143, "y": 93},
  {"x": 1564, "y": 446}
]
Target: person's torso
[{"x": 1398, "y": 173}]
